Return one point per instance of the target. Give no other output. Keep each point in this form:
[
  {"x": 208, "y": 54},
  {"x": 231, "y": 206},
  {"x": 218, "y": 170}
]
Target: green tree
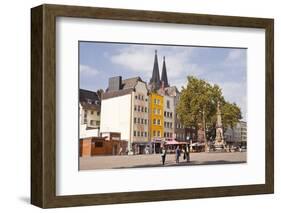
[
  {"x": 231, "y": 114},
  {"x": 198, "y": 104}
]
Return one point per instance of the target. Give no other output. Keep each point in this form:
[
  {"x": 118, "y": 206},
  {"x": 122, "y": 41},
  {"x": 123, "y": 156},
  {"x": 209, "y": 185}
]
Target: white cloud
[
  {"x": 86, "y": 70},
  {"x": 236, "y": 57},
  {"x": 140, "y": 59}
]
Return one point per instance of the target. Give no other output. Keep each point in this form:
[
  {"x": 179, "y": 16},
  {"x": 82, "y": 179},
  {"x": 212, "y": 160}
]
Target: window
[
  {"x": 171, "y": 114},
  {"x": 138, "y": 120},
  {"x": 142, "y": 134},
  {"x": 138, "y": 133},
  {"x": 98, "y": 113},
  {"x": 155, "y": 101},
  {"x": 142, "y": 97},
  {"x": 145, "y": 109},
  {"x": 138, "y": 108},
  {"x": 145, "y": 134},
  {"x": 142, "y": 109},
  {"x": 92, "y": 112},
  {"x": 145, "y": 121},
  {"x": 91, "y": 122},
  {"x": 139, "y": 97},
  {"x": 154, "y": 121},
  {"x": 136, "y": 97},
  {"x": 154, "y": 111},
  {"x": 135, "y": 120},
  {"x": 142, "y": 121},
  {"x": 98, "y": 144},
  {"x": 158, "y": 133},
  {"x": 135, "y": 133},
  {"x": 154, "y": 133},
  {"x": 158, "y": 122},
  {"x": 135, "y": 108},
  {"x": 168, "y": 104},
  {"x": 146, "y": 99},
  {"x": 97, "y": 123}
]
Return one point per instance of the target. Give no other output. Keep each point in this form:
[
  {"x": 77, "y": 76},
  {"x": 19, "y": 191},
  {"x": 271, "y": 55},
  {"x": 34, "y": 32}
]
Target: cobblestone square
[{"x": 154, "y": 160}]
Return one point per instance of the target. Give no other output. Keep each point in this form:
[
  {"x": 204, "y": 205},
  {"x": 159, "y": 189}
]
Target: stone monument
[{"x": 219, "y": 141}]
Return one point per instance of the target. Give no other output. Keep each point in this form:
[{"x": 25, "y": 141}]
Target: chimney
[{"x": 114, "y": 83}]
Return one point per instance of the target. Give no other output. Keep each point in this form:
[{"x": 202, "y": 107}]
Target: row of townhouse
[
  {"x": 236, "y": 135},
  {"x": 143, "y": 113}
]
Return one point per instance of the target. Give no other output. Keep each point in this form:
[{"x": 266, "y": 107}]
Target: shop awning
[{"x": 174, "y": 142}]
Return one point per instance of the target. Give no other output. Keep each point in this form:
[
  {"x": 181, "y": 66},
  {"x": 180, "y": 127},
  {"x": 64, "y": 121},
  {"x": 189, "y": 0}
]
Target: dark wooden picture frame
[{"x": 43, "y": 105}]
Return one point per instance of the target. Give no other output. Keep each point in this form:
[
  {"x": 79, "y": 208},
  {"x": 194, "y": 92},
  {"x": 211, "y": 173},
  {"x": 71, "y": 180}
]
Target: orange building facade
[{"x": 156, "y": 126}]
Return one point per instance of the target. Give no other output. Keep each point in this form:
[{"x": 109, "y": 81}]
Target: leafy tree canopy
[{"x": 198, "y": 100}]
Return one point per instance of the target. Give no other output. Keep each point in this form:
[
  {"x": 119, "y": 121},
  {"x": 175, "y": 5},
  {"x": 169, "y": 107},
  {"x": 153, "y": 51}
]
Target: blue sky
[{"x": 226, "y": 67}]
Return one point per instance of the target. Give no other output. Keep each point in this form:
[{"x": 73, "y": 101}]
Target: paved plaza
[{"x": 154, "y": 160}]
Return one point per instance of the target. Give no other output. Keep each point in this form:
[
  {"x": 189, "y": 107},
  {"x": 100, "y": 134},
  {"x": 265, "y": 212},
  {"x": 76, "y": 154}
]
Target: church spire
[
  {"x": 164, "y": 77},
  {"x": 155, "y": 82}
]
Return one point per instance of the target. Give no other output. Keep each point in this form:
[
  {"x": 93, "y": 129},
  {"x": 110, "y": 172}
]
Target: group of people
[{"x": 178, "y": 151}]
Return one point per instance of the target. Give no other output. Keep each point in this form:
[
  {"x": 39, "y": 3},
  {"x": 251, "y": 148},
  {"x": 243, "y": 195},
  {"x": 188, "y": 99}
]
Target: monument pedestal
[{"x": 219, "y": 147}]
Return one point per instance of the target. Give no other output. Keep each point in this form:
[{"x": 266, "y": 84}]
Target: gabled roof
[
  {"x": 130, "y": 83},
  {"x": 85, "y": 95},
  {"x": 172, "y": 91},
  {"x": 88, "y": 106},
  {"x": 117, "y": 93},
  {"x": 128, "y": 86}
]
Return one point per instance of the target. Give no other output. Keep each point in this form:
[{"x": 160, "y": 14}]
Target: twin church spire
[{"x": 155, "y": 81}]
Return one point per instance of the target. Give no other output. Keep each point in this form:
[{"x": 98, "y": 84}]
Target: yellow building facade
[{"x": 156, "y": 114}]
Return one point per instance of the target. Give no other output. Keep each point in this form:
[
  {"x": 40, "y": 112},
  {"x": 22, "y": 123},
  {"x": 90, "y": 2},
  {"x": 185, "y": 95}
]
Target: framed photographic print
[{"x": 137, "y": 106}]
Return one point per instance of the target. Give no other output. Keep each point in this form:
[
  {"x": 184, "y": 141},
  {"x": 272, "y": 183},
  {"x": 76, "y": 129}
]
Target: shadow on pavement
[{"x": 190, "y": 163}]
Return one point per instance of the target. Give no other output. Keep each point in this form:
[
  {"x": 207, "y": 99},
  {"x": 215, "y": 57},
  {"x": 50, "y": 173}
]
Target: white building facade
[
  {"x": 124, "y": 109},
  {"x": 237, "y": 134}
]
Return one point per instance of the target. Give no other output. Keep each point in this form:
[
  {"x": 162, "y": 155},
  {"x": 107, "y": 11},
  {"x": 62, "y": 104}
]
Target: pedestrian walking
[
  {"x": 187, "y": 153},
  {"x": 120, "y": 150},
  {"x": 163, "y": 155},
  {"x": 184, "y": 152},
  {"x": 178, "y": 153}
]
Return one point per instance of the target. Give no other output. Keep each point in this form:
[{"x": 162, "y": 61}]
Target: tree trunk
[{"x": 204, "y": 128}]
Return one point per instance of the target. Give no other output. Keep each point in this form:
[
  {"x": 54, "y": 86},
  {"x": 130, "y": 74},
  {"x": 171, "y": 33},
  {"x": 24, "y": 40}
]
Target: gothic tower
[
  {"x": 155, "y": 82},
  {"x": 164, "y": 77}
]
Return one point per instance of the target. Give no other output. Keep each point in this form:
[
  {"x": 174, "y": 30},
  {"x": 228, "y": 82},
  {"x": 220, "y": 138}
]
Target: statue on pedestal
[{"x": 219, "y": 141}]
